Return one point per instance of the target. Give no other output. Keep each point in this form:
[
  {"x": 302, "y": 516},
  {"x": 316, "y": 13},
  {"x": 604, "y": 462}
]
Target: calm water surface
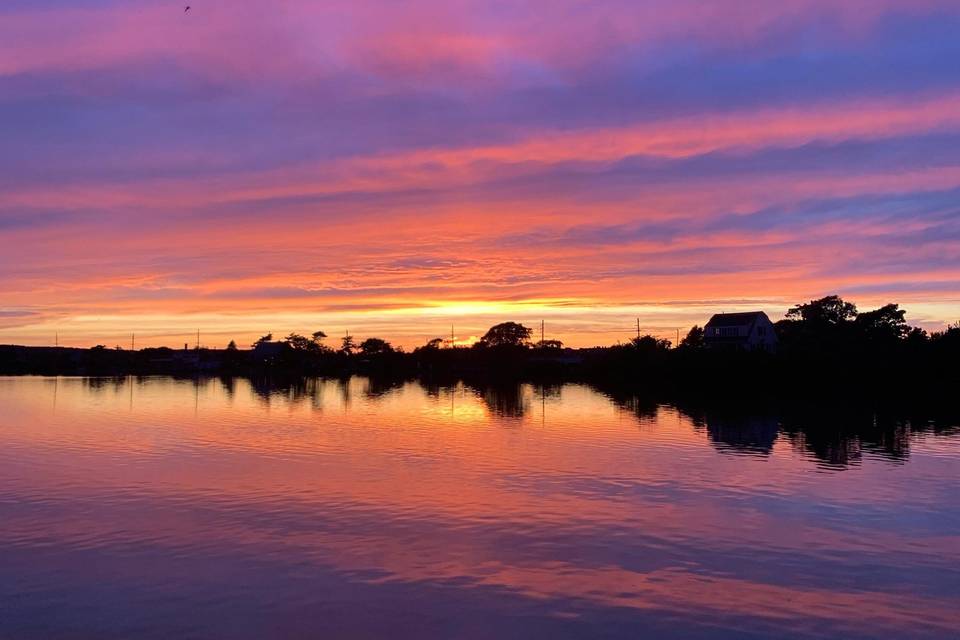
[{"x": 160, "y": 508}]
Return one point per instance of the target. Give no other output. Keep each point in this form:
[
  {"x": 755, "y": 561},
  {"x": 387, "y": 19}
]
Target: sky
[{"x": 394, "y": 168}]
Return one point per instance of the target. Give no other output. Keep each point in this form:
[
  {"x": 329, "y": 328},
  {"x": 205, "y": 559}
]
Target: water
[{"x": 159, "y": 508}]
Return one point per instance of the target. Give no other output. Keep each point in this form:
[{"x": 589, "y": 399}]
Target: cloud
[{"x": 342, "y": 157}]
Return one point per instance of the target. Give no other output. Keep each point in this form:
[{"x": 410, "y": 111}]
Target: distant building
[
  {"x": 270, "y": 352},
  {"x": 749, "y": 330}
]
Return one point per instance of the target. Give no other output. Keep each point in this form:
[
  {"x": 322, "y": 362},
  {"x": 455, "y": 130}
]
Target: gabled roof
[{"x": 735, "y": 319}]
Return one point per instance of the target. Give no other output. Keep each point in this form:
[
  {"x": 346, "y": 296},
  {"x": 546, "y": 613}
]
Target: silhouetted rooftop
[{"x": 734, "y": 319}]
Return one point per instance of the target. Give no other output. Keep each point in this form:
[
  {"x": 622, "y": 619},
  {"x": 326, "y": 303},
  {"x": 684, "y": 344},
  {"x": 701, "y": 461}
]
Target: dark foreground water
[{"x": 157, "y": 508}]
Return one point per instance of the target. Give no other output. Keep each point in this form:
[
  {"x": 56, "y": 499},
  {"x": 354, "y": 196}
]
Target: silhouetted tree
[
  {"x": 829, "y": 310},
  {"x": 886, "y": 323},
  {"x": 316, "y": 343},
  {"x": 298, "y": 342},
  {"x": 375, "y": 347},
  {"x": 347, "y": 345},
  {"x": 549, "y": 344},
  {"x": 433, "y": 344},
  {"x": 232, "y": 357},
  {"x": 819, "y": 326},
  {"x": 263, "y": 340},
  {"x": 506, "y": 334},
  {"x": 650, "y": 343},
  {"x": 694, "y": 338},
  {"x": 947, "y": 342}
]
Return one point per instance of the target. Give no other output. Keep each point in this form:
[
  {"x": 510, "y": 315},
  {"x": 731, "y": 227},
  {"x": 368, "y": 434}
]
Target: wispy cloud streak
[{"x": 389, "y": 166}]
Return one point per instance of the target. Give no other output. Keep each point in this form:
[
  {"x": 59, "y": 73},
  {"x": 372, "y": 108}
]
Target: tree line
[
  {"x": 505, "y": 334},
  {"x": 825, "y": 324},
  {"x": 825, "y": 341}
]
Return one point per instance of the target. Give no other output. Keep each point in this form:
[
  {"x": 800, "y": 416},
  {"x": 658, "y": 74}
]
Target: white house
[{"x": 748, "y": 330}]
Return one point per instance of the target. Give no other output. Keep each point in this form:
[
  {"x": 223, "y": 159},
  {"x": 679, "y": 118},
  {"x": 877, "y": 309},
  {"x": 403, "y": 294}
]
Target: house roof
[{"x": 735, "y": 319}]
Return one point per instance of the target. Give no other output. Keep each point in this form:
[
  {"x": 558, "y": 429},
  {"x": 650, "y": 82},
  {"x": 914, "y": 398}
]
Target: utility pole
[
  {"x": 132, "y": 341},
  {"x": 638, "y": 328},
  {"x": 198, "y": 339},
  {"x": 541, "y": 333}
]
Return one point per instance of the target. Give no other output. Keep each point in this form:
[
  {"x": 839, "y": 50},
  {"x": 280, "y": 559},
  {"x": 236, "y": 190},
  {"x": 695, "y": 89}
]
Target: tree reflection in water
[{"x": 836, "y": 436}]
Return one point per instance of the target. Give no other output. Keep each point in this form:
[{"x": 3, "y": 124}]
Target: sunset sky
[{"x": 391, "y": 168}]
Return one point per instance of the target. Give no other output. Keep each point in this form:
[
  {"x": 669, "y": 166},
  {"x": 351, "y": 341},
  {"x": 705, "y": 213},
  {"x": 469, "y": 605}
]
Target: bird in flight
[{"x": 186, "y": 8}]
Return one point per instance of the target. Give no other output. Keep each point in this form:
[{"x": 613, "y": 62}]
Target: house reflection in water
[{"x": 748, "y": 435}]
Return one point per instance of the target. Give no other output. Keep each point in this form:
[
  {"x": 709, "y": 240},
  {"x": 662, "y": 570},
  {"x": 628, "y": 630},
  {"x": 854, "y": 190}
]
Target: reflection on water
[
  {"x": 355, "y": 508},
  {"x": 742, "y": 434}
]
